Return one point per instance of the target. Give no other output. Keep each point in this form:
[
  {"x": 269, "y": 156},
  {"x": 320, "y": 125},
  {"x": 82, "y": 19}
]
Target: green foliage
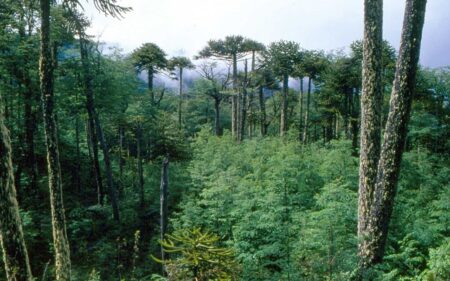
[
  {"x": 282, "y": 57},
  {"x": 196, "y": 254},
  {"x": 149, "y": 57}
]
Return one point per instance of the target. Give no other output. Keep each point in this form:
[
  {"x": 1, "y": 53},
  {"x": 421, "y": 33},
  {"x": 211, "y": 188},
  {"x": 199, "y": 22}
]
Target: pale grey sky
[{"x": 182, "y": 27}]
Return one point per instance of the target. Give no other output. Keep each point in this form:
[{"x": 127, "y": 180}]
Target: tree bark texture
[
  {"x": 396, "y": 128},
  {"x": 375, "y": 205},
  {"x": 370, "y": 118},
  {"x": 46, "y": 67},
  {"x": 15, "y": 256}
]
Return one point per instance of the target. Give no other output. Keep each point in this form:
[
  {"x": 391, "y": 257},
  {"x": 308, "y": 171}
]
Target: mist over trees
[{"x": 247, "y": 162}]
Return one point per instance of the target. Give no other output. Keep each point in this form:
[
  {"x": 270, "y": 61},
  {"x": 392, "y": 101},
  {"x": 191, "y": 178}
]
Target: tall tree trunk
[
  {"x": 300, "y": 123},
  {"x": 308, "y": 101},
  {"x": 180, "y": 101},
  {"x": 92, "y": 141},
  {"x": 15, "y": 256},
  {"x": 78, "y": 156},
  {"x": 164, "y": 190},
  {"x": 251, "y": 117},
  {"x": 112, "y": 191},
  {"x": 93, "y": 137},
  {"x": 234, "y": 100},
  {"x": 354, "y": 120},
  {"x": 150, "y": 75},
  {"x": 395, "y": 131},
  {"x": 95, "y": 121},
  {"x": 284, "y": 105},
  {"x": 140, "y": 169},
  {"x": 46, "y": 67},
  {"x": 262, "y": 109},
  {"x": 243, "y": 111},
  {"x": 121, "y": 148},
  {"x": 371, "y": 100},
  {"x": 30, "y": 128},
  {"x": 217, "y": 130}
]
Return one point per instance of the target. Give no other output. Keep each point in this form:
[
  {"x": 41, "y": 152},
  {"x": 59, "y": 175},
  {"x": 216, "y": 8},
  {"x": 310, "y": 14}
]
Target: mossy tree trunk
[
  {"x": 46, "y": 67},
  {"x": 379, "y": 204},
  {"x": 15, "y": 256},
  {"x": 371, "y": 101},
  {"x": 396, "y": 127}
]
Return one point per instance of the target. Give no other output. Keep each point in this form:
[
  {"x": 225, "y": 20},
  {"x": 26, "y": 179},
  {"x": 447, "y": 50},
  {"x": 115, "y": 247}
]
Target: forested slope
[{"x": 246, "y": 168}]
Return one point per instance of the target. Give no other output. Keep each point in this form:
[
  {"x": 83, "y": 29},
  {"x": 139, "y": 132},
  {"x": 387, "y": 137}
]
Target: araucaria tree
[
  {"x": 282, "y": 57},
  {"x": 179, "y": 64},
  {"x": 231, "y": 49},
  {"x": 151, "y": 58},
  {"x": 379, "y": 171}
]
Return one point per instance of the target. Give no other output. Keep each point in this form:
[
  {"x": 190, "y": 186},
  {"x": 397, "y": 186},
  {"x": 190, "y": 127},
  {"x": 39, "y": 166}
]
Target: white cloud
[{"x": 186, "y": 25}]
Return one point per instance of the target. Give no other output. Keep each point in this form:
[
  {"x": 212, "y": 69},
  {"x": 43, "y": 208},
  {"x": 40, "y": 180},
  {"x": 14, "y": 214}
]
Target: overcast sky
[{"x": 182, "y": 27}]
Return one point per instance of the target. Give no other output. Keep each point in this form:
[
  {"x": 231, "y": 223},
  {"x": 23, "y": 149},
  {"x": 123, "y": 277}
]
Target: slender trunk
[
  {"x": 337, "y": 128},
  {"x": 217, "y": 130},
  {"x": 92, "y": 142},
  {"x": 251, "y": 127},
  {"x": 300, "y": 123},
  {"x": 78, "y": 156},
  {"x": 395, "y": 131},
  {"x": 46, "y": 67},
  {"x": 121, "y": 146},
  {"x": 347, "y": 111},
  {"x": 243, "y": 105},
  {"x": 308, "y": 101},
  {"x": 251, "y": 118},
  {"x": 140, "y": 169},
  {"x": 233, "y": 115},
  {"x": 164, "y": 190},
  {"x": 354, "y": 120},
  {"x": 30, "y": 128},
  {"x": 90, "y": 107},
  {"x": 234, "y": 100},
  {"x": 370, "y": 121},
  {"x": 112, "y": 192},
  {"x": 15, "y": 256},
  {"x": 284, "y": 105},
  {"x": 150, "y": 75},
  {"x": 180, "y": 101},
  {"x": 262, "y": 109},
  {"x": 94, "y": 123}
]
